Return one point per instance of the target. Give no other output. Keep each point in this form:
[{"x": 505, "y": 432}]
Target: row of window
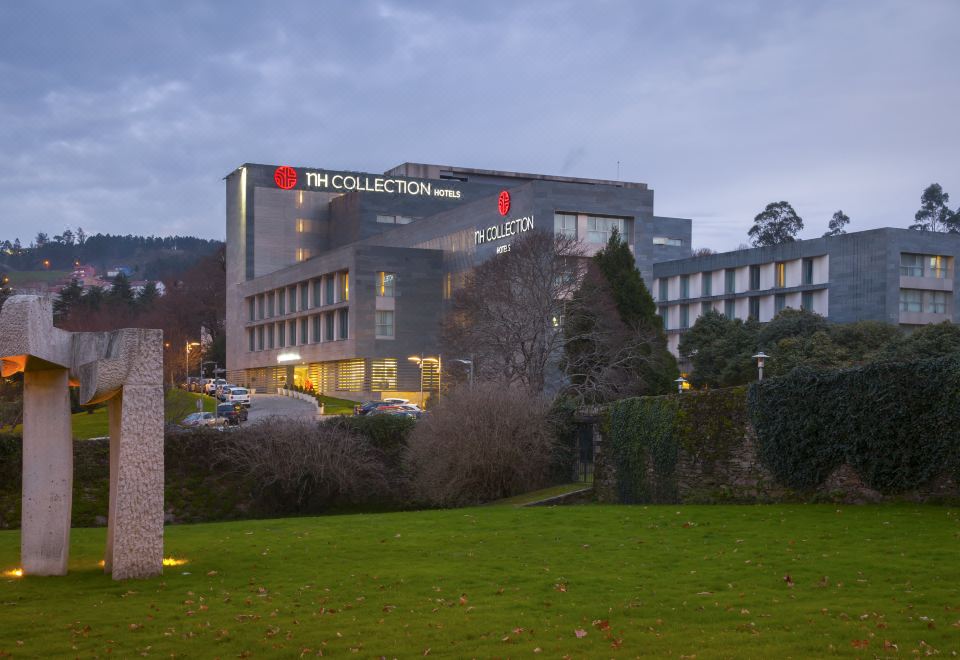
[
  {"x": 321, "y": 291},
  {"x": 599, "y": 228},
  {"x": 332, "y": 326},
  {"x": 730, "y": 308},
  {"x": 730, "y": 280},
  {"x": 916, "y": 300},
  {"x": 924, "y": 265},
  {"x": 395, "y": 219}
]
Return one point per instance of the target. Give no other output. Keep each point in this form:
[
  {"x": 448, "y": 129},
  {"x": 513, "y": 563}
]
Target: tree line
[{"x": 779, "y": 222}]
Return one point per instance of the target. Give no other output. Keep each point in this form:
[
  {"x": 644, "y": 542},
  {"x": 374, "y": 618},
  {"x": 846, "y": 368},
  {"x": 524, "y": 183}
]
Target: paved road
[{"x": 267, "y": 405}]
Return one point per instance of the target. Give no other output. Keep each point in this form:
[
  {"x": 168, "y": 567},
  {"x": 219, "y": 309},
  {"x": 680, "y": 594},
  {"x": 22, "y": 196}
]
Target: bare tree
[
  {"x": 509, "y": 314},
  {"x": 480, "y": 444}
]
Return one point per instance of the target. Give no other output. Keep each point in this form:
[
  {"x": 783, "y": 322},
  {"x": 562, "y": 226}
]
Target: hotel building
[{"x": 335, "y": 279}]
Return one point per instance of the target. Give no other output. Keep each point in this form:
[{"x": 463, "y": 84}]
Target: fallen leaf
[{"x": 860, "y": 643}]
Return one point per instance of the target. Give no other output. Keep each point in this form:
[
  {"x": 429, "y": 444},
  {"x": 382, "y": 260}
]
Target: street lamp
[
  {"x": 760, "y": 357},
  {"x": 190, "y": 344},
  {"x": 420, "y": 361},
  {"x": 469, "y": 363},
  {"x": 680, "y": 383}
]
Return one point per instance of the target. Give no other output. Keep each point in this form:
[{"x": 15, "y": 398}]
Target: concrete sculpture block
[{"x": 123, "y": 368}]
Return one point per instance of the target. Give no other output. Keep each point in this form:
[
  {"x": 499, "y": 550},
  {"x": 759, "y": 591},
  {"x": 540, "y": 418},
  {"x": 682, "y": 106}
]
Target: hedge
[{"x": 896, "y": 424}]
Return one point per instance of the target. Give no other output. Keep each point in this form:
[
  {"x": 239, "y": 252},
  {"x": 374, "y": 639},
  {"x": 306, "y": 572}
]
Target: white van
[{"x": 210, "y": 387}]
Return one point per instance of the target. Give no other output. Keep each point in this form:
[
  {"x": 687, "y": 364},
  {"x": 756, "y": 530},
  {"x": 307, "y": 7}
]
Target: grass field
[
  {"x": 21, "y": 277},
  {"x": 588, "y": 581},
  {"x": 334, "y": 406}
]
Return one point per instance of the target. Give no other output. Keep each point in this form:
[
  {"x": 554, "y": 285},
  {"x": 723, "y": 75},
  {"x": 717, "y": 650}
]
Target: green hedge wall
[
  {"x": 897, "y": 425},
  {"x": 646, "y": 434}
]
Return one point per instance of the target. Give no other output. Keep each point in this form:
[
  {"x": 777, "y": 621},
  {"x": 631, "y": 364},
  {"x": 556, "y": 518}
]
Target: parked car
[
  {"x": 401, "y": 410},
  {"x": 240, "y": 395},
  {"x": 367, "y": 407},
  {"x": 211, "y": 385},
  {"x": 199, "y": 419},
  {"x": 232, "y": 413},
  {"x": 222, "y": 390}
]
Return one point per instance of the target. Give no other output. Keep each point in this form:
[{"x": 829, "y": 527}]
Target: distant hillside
[{"x": 146, "y": 257}]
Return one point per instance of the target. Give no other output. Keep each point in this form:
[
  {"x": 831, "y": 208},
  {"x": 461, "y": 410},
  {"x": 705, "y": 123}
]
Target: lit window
[
  {"x": 911, "y": 300},
  {"x": 385, "y": 284},
  {"x": 780, "y": 275},
  {"x": 350, "y": 375},
  {"x": 565, "y": 224},
  {"x": 937, "y": 267},
  {"x": 344, "y": 287},
  {"x": 383, "y": 375},
  {"x": 384, "y": 324}
]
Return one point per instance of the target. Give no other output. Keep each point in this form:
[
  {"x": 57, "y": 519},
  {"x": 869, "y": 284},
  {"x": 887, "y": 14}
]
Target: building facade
[
  {"x": 897, "y": 276},
  {"x": 335, "y": 279}
]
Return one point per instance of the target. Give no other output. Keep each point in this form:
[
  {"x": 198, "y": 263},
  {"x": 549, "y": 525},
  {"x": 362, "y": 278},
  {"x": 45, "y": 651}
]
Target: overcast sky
[{"x": 123, "y": 117}]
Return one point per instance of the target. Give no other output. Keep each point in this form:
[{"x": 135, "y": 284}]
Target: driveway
[{"x": 272, "y": 405}]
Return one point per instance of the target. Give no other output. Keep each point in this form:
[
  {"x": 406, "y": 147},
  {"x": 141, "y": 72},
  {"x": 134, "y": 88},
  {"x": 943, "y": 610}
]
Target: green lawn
[
  {"x": 546, "y": 493},
  {"x": 334, "y": 406},
  {"x": 669, "y": 581},
  {"x": 20, "y": 277}
]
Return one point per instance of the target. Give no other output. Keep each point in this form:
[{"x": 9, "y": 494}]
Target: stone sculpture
[{"x": 123, "y": 368}]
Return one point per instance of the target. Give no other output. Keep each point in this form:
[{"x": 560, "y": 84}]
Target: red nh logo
[
  {"x": 286, "y": 177},
  {"x": 503, "y": 202}
]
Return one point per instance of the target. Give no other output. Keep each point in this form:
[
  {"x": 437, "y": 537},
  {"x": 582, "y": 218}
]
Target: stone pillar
[{"x": 47, "y": 472}]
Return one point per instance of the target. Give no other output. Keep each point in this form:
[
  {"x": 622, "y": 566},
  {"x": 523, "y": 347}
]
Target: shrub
[
  {"x": 305, "y": 464},
  {"x": 480, "y": 444}
]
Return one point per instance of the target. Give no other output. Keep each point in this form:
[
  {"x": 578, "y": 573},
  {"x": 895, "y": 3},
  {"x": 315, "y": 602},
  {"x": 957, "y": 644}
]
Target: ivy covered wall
[{"x": 881, "y": 431}]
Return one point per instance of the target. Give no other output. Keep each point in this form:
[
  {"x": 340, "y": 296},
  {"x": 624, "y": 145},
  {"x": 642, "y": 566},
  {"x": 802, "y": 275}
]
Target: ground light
[
  {"x": 760, "y": 357},
  {"x": 14, "y": 573},
  {"x": 172, "y": 561},
  {"x": 680, "y": 383}
]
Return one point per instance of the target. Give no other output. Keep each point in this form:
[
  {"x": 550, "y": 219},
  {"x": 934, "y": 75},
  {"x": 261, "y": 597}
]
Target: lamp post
[
  {"x": 420, "y": 360},
  {"x": 190, "y": 344},
  {"x": 469, "y": 363},
  {"x": 680, "y": 381},
  {"x": 760, "y": 357}
]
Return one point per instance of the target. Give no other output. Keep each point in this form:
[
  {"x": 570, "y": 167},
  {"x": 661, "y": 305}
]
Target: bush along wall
[
  {"x": 882, "y": 431},
  {"x": 897, "y": 425}
]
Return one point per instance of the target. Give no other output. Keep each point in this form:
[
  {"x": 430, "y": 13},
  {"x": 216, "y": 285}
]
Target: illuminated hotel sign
[
  {"x": 286, "y": 178},
  {"x": 503, "y": 230}
]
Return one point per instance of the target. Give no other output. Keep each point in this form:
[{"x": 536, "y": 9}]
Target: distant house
[
  {"x": 119, "y": 270},
  {"x": 137, "y": 286}
]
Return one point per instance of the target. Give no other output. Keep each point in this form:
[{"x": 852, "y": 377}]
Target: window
[
  {"x": 754, "y": 278},
  {"x": 270, "y": 297},
  {"x": 317, "y": 290},
  {"x": 705, "y": 307},
  {"x": 779, "y": 303},
  {"x": 327, "y": 290},
  {"x": 807, "y": 267},
  {"x": 684, "y": 286},
  {"x": 730, "y": 308},
  {"x": 293, "y": 333},
  {"x": 344, "y": 324},
  {"x": 343, "y": 290},
  {"x": 404, "y": 220},
  {"x": 754, "y": 312},
  {"x": 383, "y": 375},
  {"x": 328, "y": 330},
  {"x": 282, "y": 335},
  {"x": 729, "y": 280},
  {"x": 250, "y": 339},
  {"x": 937, "y": 302},
  {"x": 663, "y": 288},
  {"x": 937, "y": 267},
  {"x": 292, "y": 298},
  {"x": 663, "y": 240},
  {"x": 260, "y": 338},
  {"x": 599, "y": 229},
  {"x": 565, "y": 224},
  {"x": 911, "y": 265},
  {"x": 384, "y": 324},
  {"x": 303, "y": 331},
  {"x": 684, "y": 317},
  {"x": 665, "y": 314},
  {"x": 260, "y": 307},
  {"x": 270, "y": 338},
  {"x": 780, "y": 275},
  {"x": 806, "y": 301},
  {"x": 304, "y": 294},
  {"x": 281, "y": 303},
  {"x": 706, "y": 284},
  {"x": 385, "y": 284},
  {"x": 316, "y": 328},
  {"x": 251, "y": 309},
  {"x": 386, "y": 219}
]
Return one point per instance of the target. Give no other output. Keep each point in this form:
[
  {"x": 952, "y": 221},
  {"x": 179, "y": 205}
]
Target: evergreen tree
[
  {"x": 838, "y": 224},
  {"x": 777, "y": 223},
  {"x": 148, "y": 296},
  {"x": 121, "y": 292},
  {"x": 70, "y": 296},
  {"x": 934, "y": 214},
  {"x": 630, "y": 294}
]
